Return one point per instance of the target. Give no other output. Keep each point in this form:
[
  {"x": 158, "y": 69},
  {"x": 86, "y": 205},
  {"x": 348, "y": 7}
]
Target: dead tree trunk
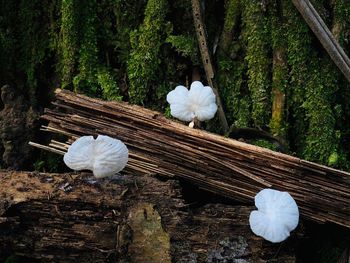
[{"x": 69, "y": 218}]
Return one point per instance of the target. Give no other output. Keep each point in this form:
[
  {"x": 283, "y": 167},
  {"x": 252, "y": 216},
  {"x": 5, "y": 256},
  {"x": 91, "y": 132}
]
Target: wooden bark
[
  {"x": 224, "y": 166},
  {"x": 70, "y": 218}
]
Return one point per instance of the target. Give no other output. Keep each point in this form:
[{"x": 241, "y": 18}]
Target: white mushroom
[
  {"x": 276, "y": 217},
  {"x": 198, "y": 102},
  {"x": 79, "y": 155},
  {"x": 104, "y": 156}
]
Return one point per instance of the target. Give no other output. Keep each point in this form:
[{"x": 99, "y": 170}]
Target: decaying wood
[
  {"x": 324, "y": 35},
  {"x": 224, "y": 166},
  {"x": 208, "y": 66},
  {"x": 70, "y": 218},
  {"x": 278, "y": 92}
]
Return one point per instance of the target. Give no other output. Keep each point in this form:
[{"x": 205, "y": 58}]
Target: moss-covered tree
[
  {"x": 270, "y": 69},
  {"x": 144, "y": 62}
]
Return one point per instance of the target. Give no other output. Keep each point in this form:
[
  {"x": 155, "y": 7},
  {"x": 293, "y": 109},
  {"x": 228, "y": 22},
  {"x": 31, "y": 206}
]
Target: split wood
[{"x": 217, "y": 164}]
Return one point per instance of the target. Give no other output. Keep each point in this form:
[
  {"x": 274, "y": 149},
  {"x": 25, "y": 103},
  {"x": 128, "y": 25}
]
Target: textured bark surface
[
  {"x": 71, "y": 218},
  {"x": 17, "y": 127}
]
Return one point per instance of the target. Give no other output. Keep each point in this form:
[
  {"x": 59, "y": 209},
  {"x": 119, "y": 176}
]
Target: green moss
[
  {"x": 231, "y": 69},
  {"x": 33, "y": 36},
  {"x": 265, "y": 144},
  {"x": 49, "y": 163},
  {"x": 69, "y": 41},
  {"x": 313, "y": 86},
  {"x": 341, "y": 25},
  {"x": 298, "y": 56},
  {"x": 86, "y": 80},
  {"x": 54, "y": 25},
  {"x": 143, "y": 64},
  {"x": 231, "y": 23},
  {"x": 278, "y": 124},
  {"x": 107, "y": 81},
  {"x": 102, "y": 45},
  {"x": 128, "y": 16},
  {"x": 322, "y": 143},
  {"x": 341, "y": 11},
  {"x": 341, "y": 19},
  {"x": 185, "y": 45},
  {"x": 81, "y": 59},
  {"x": 244, "y": 113},
  {"x": 167, "y": 112},
  {"x": 231, "y": 82},
  {"x": 256, "y": 35},
  {"x": 232, "y": 14}
]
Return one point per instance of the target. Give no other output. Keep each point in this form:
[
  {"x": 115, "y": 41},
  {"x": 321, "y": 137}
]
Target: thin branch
[
  {"x": 324, "y": 35},
  {"x": 47, "y": 148},
  {"x": 208, "y": 66}
]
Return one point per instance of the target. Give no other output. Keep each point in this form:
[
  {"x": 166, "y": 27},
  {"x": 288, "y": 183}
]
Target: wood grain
[
  {"x": 69, "y": 218},
  {"x": 217, "y": 164}
]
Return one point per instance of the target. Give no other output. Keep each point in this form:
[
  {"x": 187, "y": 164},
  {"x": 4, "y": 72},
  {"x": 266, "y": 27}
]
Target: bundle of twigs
[{"x": 224, "y": 166}]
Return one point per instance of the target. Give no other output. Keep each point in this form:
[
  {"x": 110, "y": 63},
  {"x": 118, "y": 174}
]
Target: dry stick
[
  {"x": 52, "y": 129},
  {"x": 175, "y": 128},
  {"x": 324, "y": 35},
  {"x": 135, "y": 114},
  {"x": 214, "y": 163},
  {"x": 47, "y": 148},
  {"x": 208, "y": 66}
]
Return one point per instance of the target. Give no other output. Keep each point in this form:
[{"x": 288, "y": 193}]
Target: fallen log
[
  {"x": 69, "y": 218},
  {"x": 224, "y": 166}
]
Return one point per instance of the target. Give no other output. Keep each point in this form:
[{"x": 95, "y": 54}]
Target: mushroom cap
[
  {"x": 79, "y": 155},
  {"x": 111, "y": 156},
  {"x": 104, "y": 156},
  {"x": 276, "y": 217},
  {"x": 197, "y": 102},
  {"x": 178, "y": 100},
  {"x": 202, "y": 101}
]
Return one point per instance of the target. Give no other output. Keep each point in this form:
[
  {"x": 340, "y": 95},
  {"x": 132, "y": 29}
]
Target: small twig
[
  {"x": 208, "y": 67},
  {"x": 59, "y": 145},
  {"x": 46, "y": 148},
  {"x": 55, "y": 130}
]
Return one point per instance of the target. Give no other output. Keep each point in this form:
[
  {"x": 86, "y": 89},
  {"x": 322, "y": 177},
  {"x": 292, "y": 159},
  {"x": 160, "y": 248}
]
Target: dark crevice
[{"x": 196, "y": 197}]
